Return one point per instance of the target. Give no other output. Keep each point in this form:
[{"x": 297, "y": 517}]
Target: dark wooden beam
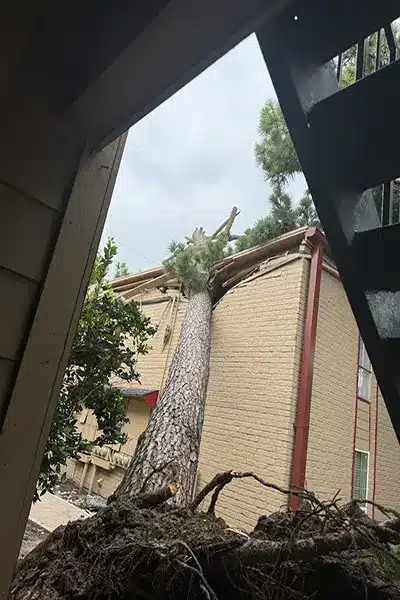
[{"x": 184, "y": 39}]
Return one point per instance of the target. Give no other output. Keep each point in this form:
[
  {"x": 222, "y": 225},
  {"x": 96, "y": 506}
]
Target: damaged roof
[{"x": 224, "y": 274}]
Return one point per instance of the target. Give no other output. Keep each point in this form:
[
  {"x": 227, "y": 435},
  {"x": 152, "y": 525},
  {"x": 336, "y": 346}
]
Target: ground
[
  {"x": 51, "y": 512},
  {"x": 68, "y": 491},
  {"x": 34, "y": 534}
]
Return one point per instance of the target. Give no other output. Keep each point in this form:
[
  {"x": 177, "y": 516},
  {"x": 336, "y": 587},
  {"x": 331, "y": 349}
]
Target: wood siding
[{"x": 53, "y": 202}]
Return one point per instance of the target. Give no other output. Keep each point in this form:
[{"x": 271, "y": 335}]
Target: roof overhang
[
  {"x": 149, "y": 395},
  {"x": 106, "y": 65}
]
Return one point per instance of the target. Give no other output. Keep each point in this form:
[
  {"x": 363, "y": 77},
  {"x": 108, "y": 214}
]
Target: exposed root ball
[{"x": 129, "y": 550}]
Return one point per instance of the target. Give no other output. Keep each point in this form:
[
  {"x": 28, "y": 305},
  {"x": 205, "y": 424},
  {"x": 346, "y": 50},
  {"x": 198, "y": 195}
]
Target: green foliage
[
  {"x": 191, "y": 263},
  {"x": 306, "y": 213},
  {"x": 284, "y": 217},
  {"x": 121, "y": 269},
  {"x": 349, "y": 57},
  {"x": 275, "y": 152},
  {"x": 276, "y": 155},
  {"x": 99, "y": 353}
]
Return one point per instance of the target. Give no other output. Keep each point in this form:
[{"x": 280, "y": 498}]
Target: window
[
  {"x": 364, "y": 373},
  {"x": 360, "y": 484}
]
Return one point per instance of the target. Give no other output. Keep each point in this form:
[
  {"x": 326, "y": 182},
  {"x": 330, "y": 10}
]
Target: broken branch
[
  {"x": 156, "y": 498},
  {"x": 261, "y": 551},
  {"x": 227, "y": 224},
  {"x": 222, "y": 479}
]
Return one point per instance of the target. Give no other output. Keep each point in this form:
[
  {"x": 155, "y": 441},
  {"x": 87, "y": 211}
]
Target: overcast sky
[{"x": 192, "y": 159}]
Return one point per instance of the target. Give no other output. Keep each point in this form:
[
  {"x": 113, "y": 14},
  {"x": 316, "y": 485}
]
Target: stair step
[
  {"x": 356, "y": 130},
  {"x": 325, "y": 29},
  {"x": 376, "y": 253}
]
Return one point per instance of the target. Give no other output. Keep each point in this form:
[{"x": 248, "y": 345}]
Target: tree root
[{"x": 141, "y": 548}]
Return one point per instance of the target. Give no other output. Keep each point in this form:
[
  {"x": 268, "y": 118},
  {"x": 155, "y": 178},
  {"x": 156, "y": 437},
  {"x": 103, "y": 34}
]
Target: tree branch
[
  {"x": 257, "y": 551},
  {"x": 214, "y": 498},
  {"x": 222, "y": 479},
  {"x": 218, "y": 480},
  {"x": 227, "y": 224}
]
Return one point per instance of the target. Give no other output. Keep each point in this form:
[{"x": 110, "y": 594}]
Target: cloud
[{"x": 190, "y": 160}]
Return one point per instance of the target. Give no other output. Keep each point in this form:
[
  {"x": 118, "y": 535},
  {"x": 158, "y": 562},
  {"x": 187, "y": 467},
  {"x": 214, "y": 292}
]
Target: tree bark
[{"x": 170, "y": 447}]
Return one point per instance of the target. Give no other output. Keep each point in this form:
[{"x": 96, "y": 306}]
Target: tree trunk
[{"x": 169, "y": 449}]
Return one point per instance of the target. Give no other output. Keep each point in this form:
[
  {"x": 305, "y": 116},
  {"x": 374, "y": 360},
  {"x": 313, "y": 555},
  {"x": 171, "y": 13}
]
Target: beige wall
[
  {"x": 330, "y": 446},
  {"x": 387, "y": 461},
  {"x": 109, "y": 479},
  {"x": 255, "y": 359},
  {"x": 53, "y": 203},
  {"x": 334, "y": 429},
  {"x": 152, "y": 367},
  {"x": 103, "y": 472}
]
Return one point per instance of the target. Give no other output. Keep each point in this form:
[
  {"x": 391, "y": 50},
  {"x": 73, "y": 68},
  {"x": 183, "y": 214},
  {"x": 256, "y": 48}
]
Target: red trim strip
[
  {"x": 302, "y": 424},
  {"x": 375, "y": 446},
  {"x": 151, "y": 398}
]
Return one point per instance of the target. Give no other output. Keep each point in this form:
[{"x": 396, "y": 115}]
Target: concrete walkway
[{"x": 51, "y": 511}]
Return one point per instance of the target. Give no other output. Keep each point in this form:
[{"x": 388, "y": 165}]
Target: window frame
[
  {"x": 366, "y": 369},
  {"x": 363, "y": 506}
]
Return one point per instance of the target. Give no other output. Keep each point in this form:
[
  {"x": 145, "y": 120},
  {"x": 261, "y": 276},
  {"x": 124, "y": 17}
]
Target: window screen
[{"x": 360, "y": 489}]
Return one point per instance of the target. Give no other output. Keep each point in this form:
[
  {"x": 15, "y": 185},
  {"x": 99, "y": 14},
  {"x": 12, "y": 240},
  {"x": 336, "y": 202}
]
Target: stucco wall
[
  {"x": 330, "y": 446},
  {"x": 152, "y": 367},
  {"x": 109, "y": 480},
  {"x": 255, "y": 360},
  {"x": 105, "y": 481}
]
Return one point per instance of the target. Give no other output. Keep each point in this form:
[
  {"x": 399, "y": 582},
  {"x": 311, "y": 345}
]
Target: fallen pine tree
[{"x": 142, "y": 548}]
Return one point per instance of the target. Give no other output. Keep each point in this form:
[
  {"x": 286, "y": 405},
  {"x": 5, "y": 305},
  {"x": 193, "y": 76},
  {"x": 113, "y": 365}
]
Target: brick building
[{"x": 291, "y": 394}]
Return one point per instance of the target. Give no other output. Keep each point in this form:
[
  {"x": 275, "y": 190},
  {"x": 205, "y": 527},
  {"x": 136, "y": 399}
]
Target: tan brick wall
[
  {"x": 387, "y": 461},
  {"x": 255, "y": 359},
  {"x": 330, "y": 446},
  {"x": 333, "y": 434}
]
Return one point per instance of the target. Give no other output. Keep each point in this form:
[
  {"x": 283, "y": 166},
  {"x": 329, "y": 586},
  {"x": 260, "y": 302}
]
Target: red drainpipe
[
  {"x": 302, "y": 423},
  {"x": 376, "y": 446},
  {"x": 355, "y": 418}
]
